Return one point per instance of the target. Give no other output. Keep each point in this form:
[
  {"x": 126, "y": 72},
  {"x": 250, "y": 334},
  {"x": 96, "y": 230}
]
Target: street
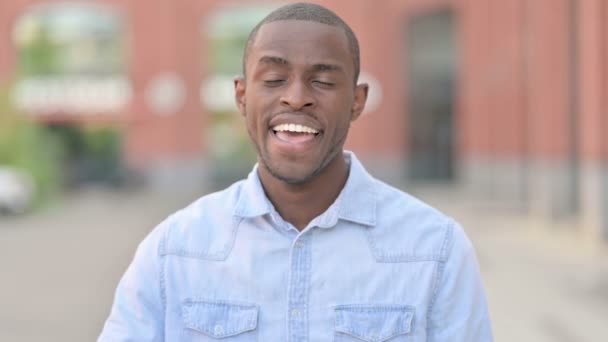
[{"x": 61, "y": 265}]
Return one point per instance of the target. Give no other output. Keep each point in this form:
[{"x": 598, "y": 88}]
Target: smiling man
[{"x": 309, "y": 247}]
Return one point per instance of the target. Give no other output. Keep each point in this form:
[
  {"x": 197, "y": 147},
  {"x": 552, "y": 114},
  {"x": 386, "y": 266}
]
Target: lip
[
  {"x": 304, "y": 119},
  {"x": 291, "y": 147}
]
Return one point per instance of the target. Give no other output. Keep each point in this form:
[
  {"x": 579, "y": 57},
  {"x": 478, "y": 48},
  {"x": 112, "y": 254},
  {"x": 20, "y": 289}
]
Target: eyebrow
[
  {"x": 319, "y": 67},
  {"x": 274, "y": 60},
  {"x": 326, "y": 67}
]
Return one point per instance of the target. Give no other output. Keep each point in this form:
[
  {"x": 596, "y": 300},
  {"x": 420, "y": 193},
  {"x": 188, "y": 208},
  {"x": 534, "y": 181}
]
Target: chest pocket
[
  {"x": 219, "y": 320},
  {"x": 373, "y": 323}
]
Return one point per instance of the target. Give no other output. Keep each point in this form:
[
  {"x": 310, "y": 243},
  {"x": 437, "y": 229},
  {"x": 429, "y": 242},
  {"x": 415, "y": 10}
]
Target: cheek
[
  {"x": 341, "y": 104},
  {"x": 250, "y": 123},
  {"x": 256, "y": 127},
  {"x": 342, "y": 127}
]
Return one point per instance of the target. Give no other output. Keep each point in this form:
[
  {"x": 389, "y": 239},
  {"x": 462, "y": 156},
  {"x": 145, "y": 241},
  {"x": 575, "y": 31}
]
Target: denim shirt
[{"x": 377, "y": 265}]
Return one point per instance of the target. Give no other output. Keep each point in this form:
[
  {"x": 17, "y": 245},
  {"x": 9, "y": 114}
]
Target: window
[{"x": 71, "y": 60}]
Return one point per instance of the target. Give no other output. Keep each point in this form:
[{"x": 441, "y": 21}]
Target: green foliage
[
  {"x": 28, "y": 147},
  {"x": 103, "y": 143},
  {"x": 40, "y": 56},
  {"x": 92, "y": 154},
  {"x": 102, "y": 159}
]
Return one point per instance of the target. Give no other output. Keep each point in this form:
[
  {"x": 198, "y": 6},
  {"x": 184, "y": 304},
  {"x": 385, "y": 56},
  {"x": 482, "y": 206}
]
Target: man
[{"x": 309, "y": 247}]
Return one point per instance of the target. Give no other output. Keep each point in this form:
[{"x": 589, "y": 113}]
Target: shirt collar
[
  {"x": 251, "y": 200},
  {"x": 356, "y": 202}
]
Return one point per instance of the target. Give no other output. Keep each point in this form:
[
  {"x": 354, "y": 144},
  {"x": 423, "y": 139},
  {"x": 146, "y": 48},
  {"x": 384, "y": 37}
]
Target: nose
[{"x": 297, "y": 96}]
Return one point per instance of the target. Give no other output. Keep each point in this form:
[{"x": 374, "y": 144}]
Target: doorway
[{"x": 431, "y": 73}]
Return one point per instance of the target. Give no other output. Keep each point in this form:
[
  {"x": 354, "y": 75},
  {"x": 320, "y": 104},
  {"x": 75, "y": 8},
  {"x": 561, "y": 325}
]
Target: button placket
[{"x": 299, "y": 287}]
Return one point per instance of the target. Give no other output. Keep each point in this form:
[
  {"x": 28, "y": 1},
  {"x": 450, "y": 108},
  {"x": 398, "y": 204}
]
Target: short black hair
[{"x": 308, "y": 12}]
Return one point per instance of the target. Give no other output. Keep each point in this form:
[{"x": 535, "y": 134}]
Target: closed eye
[
  {"x": 323, "y": 84},
  {"x": 274, "y": 83}
]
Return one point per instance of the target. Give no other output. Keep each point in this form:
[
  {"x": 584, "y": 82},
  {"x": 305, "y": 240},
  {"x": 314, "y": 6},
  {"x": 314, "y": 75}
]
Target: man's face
[{"x": 299, "y": 97}]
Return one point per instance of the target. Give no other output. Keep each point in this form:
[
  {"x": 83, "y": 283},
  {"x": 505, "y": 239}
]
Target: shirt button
[
  {"x": 218, "y": 329},
  {"x": 298, "y": 244},
  {"x": 295, "y": 313}
]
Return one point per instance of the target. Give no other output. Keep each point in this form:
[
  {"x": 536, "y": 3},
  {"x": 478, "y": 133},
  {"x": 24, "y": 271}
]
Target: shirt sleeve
[
  {"x": 138, "y": 310},
  {"x": 459, "y": 311}
]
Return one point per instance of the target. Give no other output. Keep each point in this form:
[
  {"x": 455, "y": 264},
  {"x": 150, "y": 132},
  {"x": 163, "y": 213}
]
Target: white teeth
[{"x": 294, "y": 128}]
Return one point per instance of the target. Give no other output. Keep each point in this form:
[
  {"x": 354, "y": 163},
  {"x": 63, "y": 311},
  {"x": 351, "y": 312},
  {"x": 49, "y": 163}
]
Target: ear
[
  {"x": 239, "y": 93},
  {"x": 361, "y": 91}
]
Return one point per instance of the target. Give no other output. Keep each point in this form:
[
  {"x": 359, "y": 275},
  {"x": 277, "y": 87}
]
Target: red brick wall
[
  {"x": 164, "y": 38},
  {"x": 514, "y": 92},
  {"x": 594, "y": 79}
]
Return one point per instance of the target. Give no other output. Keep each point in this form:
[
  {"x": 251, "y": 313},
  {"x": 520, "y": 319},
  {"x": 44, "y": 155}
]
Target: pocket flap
[
  {"x": 374, "y": 323},
  {"x": 219, "y": 319}
]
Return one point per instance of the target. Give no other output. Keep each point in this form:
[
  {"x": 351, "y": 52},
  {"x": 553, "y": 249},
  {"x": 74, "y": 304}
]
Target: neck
[{"x": 299, "y": 204}]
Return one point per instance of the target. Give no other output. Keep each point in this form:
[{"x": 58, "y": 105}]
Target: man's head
[
  {"x": 313, "y": 13},
  {"x": 299, "y": 95}
]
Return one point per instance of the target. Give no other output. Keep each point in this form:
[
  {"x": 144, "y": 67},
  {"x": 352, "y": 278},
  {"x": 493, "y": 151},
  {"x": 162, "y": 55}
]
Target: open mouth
[{"x": 295, "y": 133}]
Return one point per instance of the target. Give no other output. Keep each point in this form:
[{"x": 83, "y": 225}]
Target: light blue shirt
[{"x": 377, "y": 265}]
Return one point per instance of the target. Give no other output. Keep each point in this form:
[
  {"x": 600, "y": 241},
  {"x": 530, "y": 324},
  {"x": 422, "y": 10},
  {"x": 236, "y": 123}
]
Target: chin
[
  {"x": 295, "y": 177},
  {"x": 292, "y": 174}
]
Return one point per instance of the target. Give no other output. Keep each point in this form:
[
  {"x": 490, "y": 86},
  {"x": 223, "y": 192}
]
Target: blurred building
[{"x": 508, "y": 99}]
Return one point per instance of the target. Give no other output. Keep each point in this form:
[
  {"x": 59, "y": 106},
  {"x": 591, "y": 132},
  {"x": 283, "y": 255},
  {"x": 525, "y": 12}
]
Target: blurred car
[{"x": 17, "y": 190}]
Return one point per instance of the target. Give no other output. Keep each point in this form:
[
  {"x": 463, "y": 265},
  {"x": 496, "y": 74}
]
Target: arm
[
  {"x": 138, "y": 311},
  {"x": 459, "y": 310}
]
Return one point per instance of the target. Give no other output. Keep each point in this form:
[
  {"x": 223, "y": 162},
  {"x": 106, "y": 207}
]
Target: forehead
[{"x": 300, "y": 41}]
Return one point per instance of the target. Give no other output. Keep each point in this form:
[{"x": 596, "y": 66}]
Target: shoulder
[
  {"x": 408, "y": 229},
  {"x": 204, "y": 228}
]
